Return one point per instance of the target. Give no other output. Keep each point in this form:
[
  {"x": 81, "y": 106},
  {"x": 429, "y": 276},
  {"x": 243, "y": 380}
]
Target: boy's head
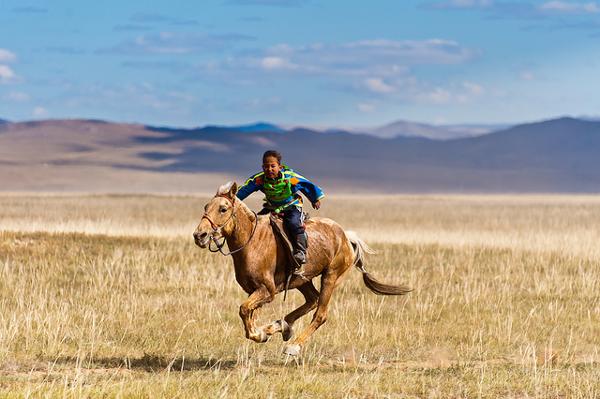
[{"x": 271, "y": 164}]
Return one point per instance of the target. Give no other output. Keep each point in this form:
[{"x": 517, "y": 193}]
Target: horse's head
[{"x": 218, "y": 218}]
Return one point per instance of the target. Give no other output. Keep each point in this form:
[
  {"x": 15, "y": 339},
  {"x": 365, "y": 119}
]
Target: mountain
[
  {"x": 560, "y": 155},
  {"x": 469, "y": 130},
  {"x": 3, "y": 121},
  {"x": 252, "y": 128},
  {"x": 436, "y": 132},
  {"x": 90, "y": 156},
  {"x": 411, "y": 129}
]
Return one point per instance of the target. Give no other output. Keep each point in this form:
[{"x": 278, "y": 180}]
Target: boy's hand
[{"x": 316, "y": 205}]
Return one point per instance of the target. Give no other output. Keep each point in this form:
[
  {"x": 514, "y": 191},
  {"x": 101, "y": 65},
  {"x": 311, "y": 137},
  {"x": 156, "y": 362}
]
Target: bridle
[{"x": 217, "y": 229}]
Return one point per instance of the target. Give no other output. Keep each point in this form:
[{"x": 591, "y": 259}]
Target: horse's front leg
[
  {"x": 284, "y": 326},
  {"x": 255, "y": 301}
]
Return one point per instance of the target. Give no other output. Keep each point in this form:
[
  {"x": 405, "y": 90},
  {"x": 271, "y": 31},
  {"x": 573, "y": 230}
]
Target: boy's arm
[
  {"x": 308, "y": 188},
  {"x": 248, "y": 188}
]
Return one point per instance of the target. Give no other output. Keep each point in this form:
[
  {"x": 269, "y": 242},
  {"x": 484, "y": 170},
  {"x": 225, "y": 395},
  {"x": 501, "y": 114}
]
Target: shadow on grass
[{"x": 150, "y": 363}]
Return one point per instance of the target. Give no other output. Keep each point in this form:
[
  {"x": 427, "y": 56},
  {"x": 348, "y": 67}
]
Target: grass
[{"x": 108, "y": 296}]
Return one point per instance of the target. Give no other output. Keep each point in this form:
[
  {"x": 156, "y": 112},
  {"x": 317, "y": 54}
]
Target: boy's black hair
[{"x": 272, "y": 153}]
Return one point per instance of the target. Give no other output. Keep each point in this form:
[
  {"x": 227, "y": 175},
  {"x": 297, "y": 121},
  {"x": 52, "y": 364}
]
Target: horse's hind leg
[
  {"x": 255, "y": 301},
  {"x": 327, "y": 286},
  {"x": 311, "y": 295}
]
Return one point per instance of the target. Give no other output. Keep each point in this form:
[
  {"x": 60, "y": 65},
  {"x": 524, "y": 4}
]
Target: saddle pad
[{"x": 277, "y": 225}]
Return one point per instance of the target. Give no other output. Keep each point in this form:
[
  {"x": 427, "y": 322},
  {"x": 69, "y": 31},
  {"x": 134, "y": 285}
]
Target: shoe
[
  {"x": 300, "y": 257},
  {"x": 300, "y": 247}
]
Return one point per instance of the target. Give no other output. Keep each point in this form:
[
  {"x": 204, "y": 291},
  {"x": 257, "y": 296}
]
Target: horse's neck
[{"x": 244, "y": 224}]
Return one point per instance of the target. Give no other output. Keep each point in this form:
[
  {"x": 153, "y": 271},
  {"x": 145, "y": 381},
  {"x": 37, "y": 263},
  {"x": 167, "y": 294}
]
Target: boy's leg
[{"x": 294, "y": 224}]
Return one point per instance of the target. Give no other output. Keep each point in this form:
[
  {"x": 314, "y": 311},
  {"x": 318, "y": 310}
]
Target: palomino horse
[{"x": 260, "y": 264}]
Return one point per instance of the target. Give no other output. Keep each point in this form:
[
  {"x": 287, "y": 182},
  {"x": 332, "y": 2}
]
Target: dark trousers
[{"x": 293, "y": 220}]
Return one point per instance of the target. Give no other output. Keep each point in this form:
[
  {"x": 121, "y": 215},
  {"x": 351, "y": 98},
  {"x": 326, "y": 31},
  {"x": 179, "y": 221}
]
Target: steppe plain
[{"x": 107, "y": 295}]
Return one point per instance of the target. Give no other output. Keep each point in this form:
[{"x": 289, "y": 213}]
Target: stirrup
[{"x": 300, "y": 272}]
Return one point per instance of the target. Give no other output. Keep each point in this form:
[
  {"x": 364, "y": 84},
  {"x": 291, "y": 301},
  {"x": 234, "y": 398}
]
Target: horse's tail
[{"x": 360, "y": 249}]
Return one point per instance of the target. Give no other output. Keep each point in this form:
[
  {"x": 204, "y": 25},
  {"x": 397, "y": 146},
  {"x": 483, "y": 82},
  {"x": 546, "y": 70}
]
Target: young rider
[{"x": 281, "y": 187}]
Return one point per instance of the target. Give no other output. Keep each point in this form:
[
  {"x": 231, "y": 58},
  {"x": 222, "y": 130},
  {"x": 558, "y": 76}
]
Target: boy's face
[{"x": 271, "y": 167}]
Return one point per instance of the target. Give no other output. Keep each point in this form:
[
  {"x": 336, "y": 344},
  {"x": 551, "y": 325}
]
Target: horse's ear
[
  {"x": 233, "y": 190},
  {"x": 228, "y": 189}
]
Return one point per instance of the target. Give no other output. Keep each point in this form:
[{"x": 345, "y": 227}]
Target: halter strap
[
  {"x": 226, "y": 197},
  {"x": 215, "y": 226}
]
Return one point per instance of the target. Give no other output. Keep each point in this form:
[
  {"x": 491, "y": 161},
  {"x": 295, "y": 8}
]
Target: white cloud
[
  {"x": 39, "y": 112},
  {"x": 455, "y": 93},
  {"x": 526, "y": 75},
  {"x": 377, "y": 85},
  {"x": 6, "y": 74},
  {"x": 7, "y": 56},
  {"x": 272, "y": 63},
  {"x": 538, "y": 12},
  {"x": 170, "y": 43},
  {"x": 17, "y": 96},
  {"x": 143, "y": 97},
  {"x": 571, "y": 7},
  {"x": 437, "y": 96},
  {"x": 473, "y": 88},
  {"x": 399, "y": 53},
  {"x": 365, "y": 107},
  {"x": 366, "y": 58},
  {"x": 378, "y": 67}
]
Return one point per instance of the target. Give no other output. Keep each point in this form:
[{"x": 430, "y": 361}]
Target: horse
[{"x": 261, "y": 264}]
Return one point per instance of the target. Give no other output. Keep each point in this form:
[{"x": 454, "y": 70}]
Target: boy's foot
[
  {"x": 300, "y": 257},
  {"x": 300, "y": 247},
  {"x": 300, "y": 253}
]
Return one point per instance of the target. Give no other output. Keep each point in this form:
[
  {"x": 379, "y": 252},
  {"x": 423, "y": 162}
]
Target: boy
[{"x": 281, "y": 186}]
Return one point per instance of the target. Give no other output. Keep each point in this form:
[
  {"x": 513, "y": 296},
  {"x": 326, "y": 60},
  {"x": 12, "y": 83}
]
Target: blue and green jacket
[{"x": 282, "y": 191}]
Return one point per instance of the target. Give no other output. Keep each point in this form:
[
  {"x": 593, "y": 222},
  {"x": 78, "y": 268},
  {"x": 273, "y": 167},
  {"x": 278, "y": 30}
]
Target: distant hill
[
  {"x": 251, "y": 128},
  {"x": 258, "y": 127},
  {"x": 560, "y": 155},
  {"x": 469, "y": 130},
  {"x": 411, "y": 129},
  {"x": 435, "y": 132}
]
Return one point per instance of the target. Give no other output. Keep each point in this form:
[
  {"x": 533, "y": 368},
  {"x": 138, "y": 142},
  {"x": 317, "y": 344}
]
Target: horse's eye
[{"x": 223, "y": 210}]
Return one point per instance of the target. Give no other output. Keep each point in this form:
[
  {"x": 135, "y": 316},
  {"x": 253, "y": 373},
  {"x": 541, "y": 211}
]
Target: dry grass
[{"x": 108, "y": 296}]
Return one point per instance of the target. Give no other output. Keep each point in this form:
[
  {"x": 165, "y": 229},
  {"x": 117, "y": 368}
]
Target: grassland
[{"x": 108, "y": 296}]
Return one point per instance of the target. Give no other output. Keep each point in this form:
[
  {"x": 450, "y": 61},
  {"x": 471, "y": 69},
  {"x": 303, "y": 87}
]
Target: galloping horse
[{"x": 261, "y": 263}]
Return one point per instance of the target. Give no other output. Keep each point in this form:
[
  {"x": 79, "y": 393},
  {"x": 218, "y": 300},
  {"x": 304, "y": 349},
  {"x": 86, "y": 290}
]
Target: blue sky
[{"x": 326, "y": 63}]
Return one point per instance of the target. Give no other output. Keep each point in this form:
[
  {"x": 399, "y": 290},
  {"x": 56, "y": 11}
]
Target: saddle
[{"x": 279, "y": 231}]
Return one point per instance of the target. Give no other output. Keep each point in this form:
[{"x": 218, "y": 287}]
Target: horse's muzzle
[{"x": 201, "y": 239}]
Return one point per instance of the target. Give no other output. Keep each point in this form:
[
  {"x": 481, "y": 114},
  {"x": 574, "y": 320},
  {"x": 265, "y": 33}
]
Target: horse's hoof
[
  {"x": 292, "y": 350},
  {"x": 286, "y": 330}
]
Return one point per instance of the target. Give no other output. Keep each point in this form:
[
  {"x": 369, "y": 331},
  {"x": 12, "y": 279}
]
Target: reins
[{"x": 216, "y": 228}]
